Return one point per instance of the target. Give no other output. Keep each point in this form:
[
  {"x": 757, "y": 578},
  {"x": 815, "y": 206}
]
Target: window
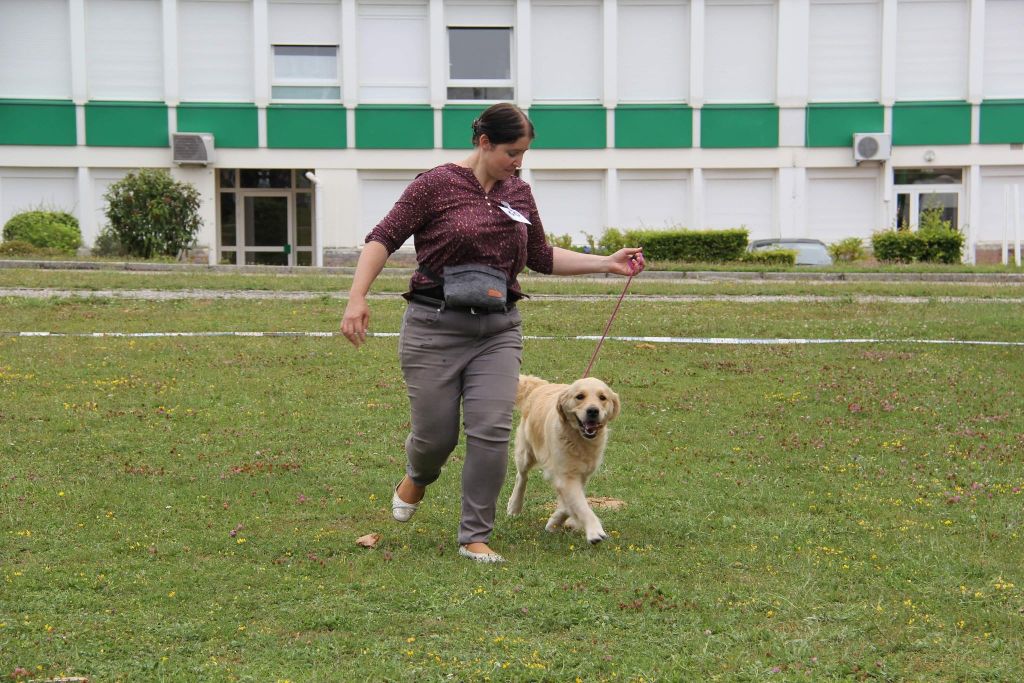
[
  {"x": 394, "y": 52},
  {"x": 845, "y": 63},
  {"x": 571, "y": 202},
  {"x": 216, "y": 51},
  {"x": 653, "y": 199},
  {"x": 654, "y": 50},
  {"x": 739, "y": 51},
  {"x": 931, "y": 49},
  {"x": 124, "y": 50},
  {"x": 843, "y": 203},
  {"x": 1004, "y": 49},
  {"x": 567, "y": 51},
  {"x": 34, "y": 57},
  {"x": 480, "y": 63},
  {"x": 305, "y": 72},
  {"x": 740, "y": 199}
]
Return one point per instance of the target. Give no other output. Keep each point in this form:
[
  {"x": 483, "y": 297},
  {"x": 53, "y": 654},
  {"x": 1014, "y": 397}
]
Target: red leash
[{"x": 607, "y": 327}]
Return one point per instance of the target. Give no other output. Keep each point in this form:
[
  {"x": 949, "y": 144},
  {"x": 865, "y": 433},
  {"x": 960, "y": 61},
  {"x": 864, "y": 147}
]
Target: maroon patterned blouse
[{"x": 453, "y": 221}]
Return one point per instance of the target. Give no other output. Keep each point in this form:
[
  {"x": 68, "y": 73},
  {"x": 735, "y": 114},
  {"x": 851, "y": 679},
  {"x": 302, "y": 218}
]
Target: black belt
[{"x": 440, "y": 304}]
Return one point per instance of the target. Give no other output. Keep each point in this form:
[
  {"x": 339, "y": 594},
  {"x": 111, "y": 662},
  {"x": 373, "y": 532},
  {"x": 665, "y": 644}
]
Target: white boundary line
[{"x": 734, "y": 341}]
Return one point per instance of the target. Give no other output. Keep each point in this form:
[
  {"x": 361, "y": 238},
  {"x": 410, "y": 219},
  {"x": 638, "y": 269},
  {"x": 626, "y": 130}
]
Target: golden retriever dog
[{"x": 563, "y": 429}]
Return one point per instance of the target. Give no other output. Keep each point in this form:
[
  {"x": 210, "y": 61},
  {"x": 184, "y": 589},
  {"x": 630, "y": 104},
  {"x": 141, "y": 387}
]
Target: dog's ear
[
  {"x": 614, "y": 405},
  {"x": 567, "y": 403}
]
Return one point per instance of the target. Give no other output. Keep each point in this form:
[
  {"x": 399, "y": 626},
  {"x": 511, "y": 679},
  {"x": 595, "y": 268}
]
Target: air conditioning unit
[
  {"x": 192, "y": 148},
  {"x": 872, "y": 146}
]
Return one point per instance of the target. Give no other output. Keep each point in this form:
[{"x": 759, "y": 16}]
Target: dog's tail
[{"x": 527, "y": 383}]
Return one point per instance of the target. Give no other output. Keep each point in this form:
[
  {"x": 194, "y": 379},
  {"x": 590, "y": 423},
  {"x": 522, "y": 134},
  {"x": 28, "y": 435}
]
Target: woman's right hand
[{"x": 356, "y": 320}]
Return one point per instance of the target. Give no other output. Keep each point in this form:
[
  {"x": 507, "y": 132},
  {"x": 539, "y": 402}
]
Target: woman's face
[{"x": 503, "y": 160}]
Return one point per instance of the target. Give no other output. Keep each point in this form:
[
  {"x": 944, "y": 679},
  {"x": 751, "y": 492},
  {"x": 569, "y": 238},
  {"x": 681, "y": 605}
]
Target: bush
[
  {"x": 611, "y": 241},
  {"x": 935, "y": 241},
  {"x": 45, "y": 229},
  {"x": 707, "y": 246},
  {"x": 151, "y": 214},
  {"x": 107, "y": 244},
  {"x": 849, "y": 249},
  {"x": 771, "y": 257},
  {"x": 898, "y": 246}
]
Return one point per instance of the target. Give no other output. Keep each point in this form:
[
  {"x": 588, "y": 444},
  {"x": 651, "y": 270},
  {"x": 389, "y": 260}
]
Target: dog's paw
[
  {"x": 596, "y": 536},
  {"x": 514, "y": 508}
]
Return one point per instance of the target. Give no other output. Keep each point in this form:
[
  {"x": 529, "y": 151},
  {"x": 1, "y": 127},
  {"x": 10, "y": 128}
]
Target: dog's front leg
[{"x": 570, "y": 493}]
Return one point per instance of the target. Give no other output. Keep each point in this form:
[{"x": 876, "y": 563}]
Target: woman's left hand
[{"x": 627, "y": 261}]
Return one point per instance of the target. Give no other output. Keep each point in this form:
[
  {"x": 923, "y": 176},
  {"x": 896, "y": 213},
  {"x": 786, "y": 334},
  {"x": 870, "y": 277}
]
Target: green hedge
[
  {"x": 904, "y": 246},
  {"x": 45, "y": 229},
  {"x": 771, "y": 257},
  {"x": 692, "y": 246}
]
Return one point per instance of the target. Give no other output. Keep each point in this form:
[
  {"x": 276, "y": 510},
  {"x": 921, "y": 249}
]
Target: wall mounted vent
[
  {"x": 872, "y": 146},
  {"x": 192, "y": 148}
]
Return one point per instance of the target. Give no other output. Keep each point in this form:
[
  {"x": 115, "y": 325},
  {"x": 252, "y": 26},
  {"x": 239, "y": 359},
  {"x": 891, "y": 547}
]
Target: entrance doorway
[
  {"x": 266, "y": 217},
  {"x": 928, "y": 189}
]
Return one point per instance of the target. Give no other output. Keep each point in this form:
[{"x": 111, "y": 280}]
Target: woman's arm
[
  {"x": 627, "y": 261},
  {"x": 356, "y": 319}
]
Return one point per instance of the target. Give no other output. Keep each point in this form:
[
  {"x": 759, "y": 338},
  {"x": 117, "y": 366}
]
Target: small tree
[{"x": 151, "y": 214}]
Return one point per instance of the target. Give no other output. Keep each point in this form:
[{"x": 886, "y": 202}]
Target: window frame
[
  {"x": 280, "y": 82},
  {"x": 509, "y": 82}
]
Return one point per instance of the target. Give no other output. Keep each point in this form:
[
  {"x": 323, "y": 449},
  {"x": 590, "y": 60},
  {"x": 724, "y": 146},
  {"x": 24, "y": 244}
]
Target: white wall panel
[
  {"x": 305, "y": 22},
  {"x": 216, "y": 51},
  {"x": 931, "y": 49},
  {"x": 28, "y": 189},
  {"x": 1004, "y": 49},
  {"x": 394, "y": 53},
  {"x": 479, "y": 12},
  {"x": 739, "y": 51},
  {"x": 842, "y": 204},
  {"x": 740, "y": 199},
  {"x": 35, "y": 58},
  {"x": 654, "y": 50},
  {"x": 653, "y": 199},
  {"x": 845, "y": 52},
  {"x": 996, "y": 206},
  {"x": 124, "y": 49},
  {"x": 570, "y": 202},
  {"x": 567, "y": 51}
]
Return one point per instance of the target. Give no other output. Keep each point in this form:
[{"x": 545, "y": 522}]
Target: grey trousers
[{"x": 452, "y": 360}]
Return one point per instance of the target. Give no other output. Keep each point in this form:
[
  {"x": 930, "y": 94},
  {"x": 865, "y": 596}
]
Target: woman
[{"x": 476, "y": 211}]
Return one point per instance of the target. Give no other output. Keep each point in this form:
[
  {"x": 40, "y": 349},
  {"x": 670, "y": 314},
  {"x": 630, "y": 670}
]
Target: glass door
[
  {"x": 921, "y": 190},
  {"x": 265, "y": 217},
  {"x": 267, "y": 221}
]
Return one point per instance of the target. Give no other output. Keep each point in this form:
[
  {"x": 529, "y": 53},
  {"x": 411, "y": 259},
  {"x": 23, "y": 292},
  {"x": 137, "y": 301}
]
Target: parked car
[{"x": 808, "y": 252}]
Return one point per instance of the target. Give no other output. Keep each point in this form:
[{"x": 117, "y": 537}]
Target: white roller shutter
[
  {"x": 35, "y": 57},
  {"x": 567, "y": 51},
  {"x": 931, "y": 49},
  {"x": 305, "y": 22},
  {"x": 1004, "y": 49},
  {"x": 378, "y": 192},
  {"x": 23, "y": 189},
  {"x": 394, "y": 52},
  {"x": 479, "y": 12},
  {"x": 124, "y": 49},
  {"x": 739, "y": 50},
  {"x": 653, "y": 199},
  {"x": 842, "y": 204},
  {"x": 654, "y": 50},
  {"x": 736, "y": 199},
  {"x": 215, "y": 39},
  {"x": 997, "y": 204},
  {"x": 570, "y": 202},
  {"x": 845, "y": 52}
]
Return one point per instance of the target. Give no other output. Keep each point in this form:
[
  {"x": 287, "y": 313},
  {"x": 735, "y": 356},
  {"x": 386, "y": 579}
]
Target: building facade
[{"x": 649, "y": 113}]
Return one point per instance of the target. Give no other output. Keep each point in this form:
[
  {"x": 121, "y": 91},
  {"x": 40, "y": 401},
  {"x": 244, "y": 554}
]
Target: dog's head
[{"x": 588, "y": 405}]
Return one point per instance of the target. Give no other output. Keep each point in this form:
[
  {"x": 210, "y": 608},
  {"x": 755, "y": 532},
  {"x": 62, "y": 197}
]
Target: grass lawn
[{"x": 180, "y": 509}]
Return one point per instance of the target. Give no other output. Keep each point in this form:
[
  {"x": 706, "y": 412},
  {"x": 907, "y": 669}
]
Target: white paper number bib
[{"x": 513, "y": 214}]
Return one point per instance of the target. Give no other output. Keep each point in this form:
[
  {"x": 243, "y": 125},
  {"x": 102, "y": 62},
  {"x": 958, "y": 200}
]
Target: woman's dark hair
[{"x": 502, "y": 123}]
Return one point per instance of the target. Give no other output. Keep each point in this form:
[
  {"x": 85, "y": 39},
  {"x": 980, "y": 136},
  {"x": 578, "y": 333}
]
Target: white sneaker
[
  {"x": 401, "y": 510},
  {"x": 480, "y": 557}
]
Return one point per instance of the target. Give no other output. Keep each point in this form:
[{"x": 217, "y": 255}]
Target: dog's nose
[{"x": 593, "y": 413}]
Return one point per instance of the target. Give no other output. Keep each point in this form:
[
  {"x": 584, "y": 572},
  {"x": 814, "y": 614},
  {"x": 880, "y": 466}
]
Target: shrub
[
  {"x": 771, "y": 257},
  {"x": 898, "y": 246},
  {"x": 563, "y": 241},
  {"x": 151, "y": 214},
  {"x": 107, "y": 244},
  {"x": 935, "y": 241},
  {"x": 611, "y": 241},
  {"x": 849, "y": 249},
  {"x": 45, "y": 229},
  {"x": 706, "y": 246}
]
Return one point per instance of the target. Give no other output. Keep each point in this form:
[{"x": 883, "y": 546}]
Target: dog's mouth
[{"x": 589, "y": 428}]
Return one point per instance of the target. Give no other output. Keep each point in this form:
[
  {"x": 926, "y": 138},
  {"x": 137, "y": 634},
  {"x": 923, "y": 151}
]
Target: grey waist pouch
[{"x": 472, "y": 285}]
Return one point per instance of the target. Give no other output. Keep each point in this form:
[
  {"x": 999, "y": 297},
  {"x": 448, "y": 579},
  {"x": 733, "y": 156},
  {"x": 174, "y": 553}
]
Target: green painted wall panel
[
  {"x": 931, "y": 123},
  {"x": 394, "y": 127},
  {"x": 232, "y": 125},
  {"x": 300, "y": 126},
  {"x": 734, "y": 126},
  {"x": 653, "y": 126},
  {"x": 833, "y": 124},
  {"x": 456, "y": 125},
  {"x": 1002, "y": 121},
  {"x": 569, "y": 127},
  {"x": 126, "y": 124},
  {"x": 37, "y": 122}
]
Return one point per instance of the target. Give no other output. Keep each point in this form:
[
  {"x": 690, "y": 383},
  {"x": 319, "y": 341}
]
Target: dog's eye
[
  {"x": 579, "y": 397},
  {"x": 602, "y": 397}
]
